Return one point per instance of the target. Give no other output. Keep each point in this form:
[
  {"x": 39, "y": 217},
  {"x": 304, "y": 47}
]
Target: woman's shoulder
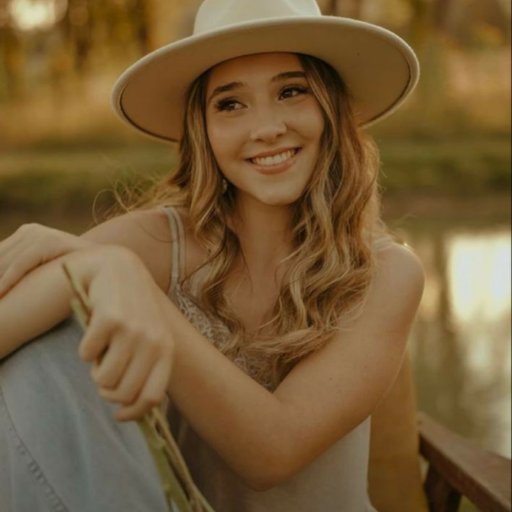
[
  {"x": 399, "y": 263},
  {"x": 195, "y": 253},
  {"x": 163, "y": 212},
  {"x": 146, "y": 233}
]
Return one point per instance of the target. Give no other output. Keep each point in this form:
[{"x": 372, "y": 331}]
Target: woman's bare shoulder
[
  {"x": 147, "y": 233},
  {"x": 195, "y": 251},
  {"x": 400, "y": 262}
]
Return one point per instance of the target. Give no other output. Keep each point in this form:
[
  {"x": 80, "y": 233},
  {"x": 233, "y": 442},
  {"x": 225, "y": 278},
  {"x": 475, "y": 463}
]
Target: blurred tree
[
  {"x": 103, "y": 31},
  {"x": 420, "y": 21},
  {"x": 358, "y": 9},
  {"x": 458, "y": 20},
  {"x": 11, "y": 63},
  {"x": 332, "y": 7},
  {"x": 481, "y": 23},
  {"x": 441, "y": 12},
  {"x": 348, "y": 8},
  {"x": 78, "y": 29},
  {"x": 141, "y": 16},
  {"x": 172, "y": 19}
]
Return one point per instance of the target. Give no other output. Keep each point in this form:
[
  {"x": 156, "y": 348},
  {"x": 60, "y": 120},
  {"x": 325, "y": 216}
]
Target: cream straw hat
[{"x": 380, "y": 69}]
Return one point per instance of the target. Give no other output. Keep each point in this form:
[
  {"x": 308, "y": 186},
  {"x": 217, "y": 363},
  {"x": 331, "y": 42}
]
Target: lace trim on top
[{"x": 208, "y": 325}]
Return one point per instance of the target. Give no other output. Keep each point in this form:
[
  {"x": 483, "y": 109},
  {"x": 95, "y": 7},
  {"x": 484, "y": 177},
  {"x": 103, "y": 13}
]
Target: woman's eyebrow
[{"x": 238, "y": 85}]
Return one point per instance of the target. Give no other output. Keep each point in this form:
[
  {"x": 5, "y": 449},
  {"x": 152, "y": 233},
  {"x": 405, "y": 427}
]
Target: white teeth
[{"x": 274, "y": 160}]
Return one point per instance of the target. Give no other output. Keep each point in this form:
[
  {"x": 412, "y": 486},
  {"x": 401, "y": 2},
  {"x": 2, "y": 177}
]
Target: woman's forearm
[
  {"x": 236, "y": 416},
  {"x": 42, "y": 299}
]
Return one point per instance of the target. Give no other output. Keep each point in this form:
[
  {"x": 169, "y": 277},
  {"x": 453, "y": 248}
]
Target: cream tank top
[{"x": 337, "y": 481}]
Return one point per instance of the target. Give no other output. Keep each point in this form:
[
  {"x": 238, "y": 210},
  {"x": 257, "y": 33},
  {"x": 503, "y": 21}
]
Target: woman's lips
[{"x": 276, "y": 169}]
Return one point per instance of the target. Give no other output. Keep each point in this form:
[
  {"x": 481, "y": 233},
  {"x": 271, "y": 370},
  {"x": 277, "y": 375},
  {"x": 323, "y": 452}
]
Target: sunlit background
[
  {"x": 445, "y": 163},
  {"x": 32, "y": 15}
]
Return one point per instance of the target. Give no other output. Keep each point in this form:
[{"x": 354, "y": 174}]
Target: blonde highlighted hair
[{"x": 334, "y": 222}]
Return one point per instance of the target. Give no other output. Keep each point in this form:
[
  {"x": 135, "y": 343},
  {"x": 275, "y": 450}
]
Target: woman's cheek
[
  {"x": 223, "y": 138},
  {"x": 309, "y": 120}
]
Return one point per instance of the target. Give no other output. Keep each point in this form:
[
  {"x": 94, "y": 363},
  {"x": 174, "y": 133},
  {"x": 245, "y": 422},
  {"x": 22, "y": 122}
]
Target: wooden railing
[{"x": 457, "y": 468}]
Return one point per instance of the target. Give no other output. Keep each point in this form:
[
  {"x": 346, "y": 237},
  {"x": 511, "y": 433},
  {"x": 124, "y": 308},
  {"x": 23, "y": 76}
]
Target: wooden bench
[
  {"x": 457, "y": 467},
  {"x": 419, "y": 465}
]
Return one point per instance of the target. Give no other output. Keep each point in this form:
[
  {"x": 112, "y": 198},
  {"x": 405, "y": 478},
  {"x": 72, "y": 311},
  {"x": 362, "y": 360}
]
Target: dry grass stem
[{"x": 181, "y": 492}]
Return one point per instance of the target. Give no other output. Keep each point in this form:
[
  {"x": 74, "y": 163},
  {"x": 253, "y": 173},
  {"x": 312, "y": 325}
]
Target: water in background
[{"x": 461, "y": 342}]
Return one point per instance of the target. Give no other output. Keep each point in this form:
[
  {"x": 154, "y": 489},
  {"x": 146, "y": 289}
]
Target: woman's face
[{"x": 252, "y": 109}]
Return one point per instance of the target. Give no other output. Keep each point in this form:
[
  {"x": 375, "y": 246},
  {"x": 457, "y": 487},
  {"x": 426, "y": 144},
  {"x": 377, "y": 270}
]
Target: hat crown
[{"x": 217, "y": 14}]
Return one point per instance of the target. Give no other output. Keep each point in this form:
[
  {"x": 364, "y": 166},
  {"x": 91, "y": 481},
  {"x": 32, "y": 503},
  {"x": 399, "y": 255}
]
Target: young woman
[{"x": 291, "y": 304}]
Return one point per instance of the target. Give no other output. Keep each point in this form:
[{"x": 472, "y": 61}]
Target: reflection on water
[{"x": 460, "y": 345}]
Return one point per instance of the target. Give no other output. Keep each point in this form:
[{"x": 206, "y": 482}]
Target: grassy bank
[{"x": 71, "y": 177}]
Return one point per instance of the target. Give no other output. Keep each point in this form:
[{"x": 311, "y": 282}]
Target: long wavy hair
[{"x": 334, "y": 222}]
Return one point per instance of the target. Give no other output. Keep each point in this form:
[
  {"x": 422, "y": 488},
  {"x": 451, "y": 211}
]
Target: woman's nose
[{"x": 268, "y": 126}]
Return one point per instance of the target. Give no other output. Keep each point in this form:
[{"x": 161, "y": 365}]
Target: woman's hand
[
  {"x": 29, "y": 247},
  {"x": 129, "y": 331}
]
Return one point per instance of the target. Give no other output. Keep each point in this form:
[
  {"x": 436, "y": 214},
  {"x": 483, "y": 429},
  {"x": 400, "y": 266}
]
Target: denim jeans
[{"x": 61, "y": 450}]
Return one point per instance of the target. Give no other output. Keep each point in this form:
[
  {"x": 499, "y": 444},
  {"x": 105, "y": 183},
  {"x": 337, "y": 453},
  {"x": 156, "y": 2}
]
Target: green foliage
[
  {"x": 73, "y": 178},
  {"x": 70, "y": 178},
  {"x": 456, "y": 167}
]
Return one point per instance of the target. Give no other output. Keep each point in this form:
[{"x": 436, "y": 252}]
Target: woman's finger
[
  {"x": 133, "y": 379},
  {"x": 23, "y": 262},
  {"x": 153, "y": 393},
  {"x": 107, "y": 373},
  {"x": 97, "y": 337},
  {"x": 8, "y": 244},
  {"x": 10, "y": 253},
  {"x": 27, "y": 234}
]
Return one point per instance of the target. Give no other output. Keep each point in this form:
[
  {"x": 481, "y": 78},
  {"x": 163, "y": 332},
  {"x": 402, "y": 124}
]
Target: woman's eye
[
  {"x": 227, "y": 104},
  {"x": 300, "y": 90}
]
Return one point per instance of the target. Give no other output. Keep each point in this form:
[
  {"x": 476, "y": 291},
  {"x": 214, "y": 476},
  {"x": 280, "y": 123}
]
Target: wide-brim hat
[{"x": 380, "y": 69}]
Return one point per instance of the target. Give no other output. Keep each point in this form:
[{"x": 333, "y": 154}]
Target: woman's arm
[
  {"x": 267, "y": 438},
  {"x": 43, "y": 298},
  {"x": 240, "y": 419}
]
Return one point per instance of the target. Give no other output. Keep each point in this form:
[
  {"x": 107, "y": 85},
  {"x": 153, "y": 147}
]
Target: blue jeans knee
[{"x": 61, "y": 450}]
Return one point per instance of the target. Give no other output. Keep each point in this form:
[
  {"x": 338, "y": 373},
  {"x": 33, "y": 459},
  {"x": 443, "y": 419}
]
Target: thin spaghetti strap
[
  {"x": 181, "y": 229},
  {"x": 175, "y": 235},
  {"x": 382, "y": 242}
]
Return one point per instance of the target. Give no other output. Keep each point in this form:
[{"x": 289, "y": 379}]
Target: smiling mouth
[{"x": 253, "y": 160}]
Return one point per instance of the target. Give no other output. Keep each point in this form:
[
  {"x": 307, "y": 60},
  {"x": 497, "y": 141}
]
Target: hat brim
[{"x": 380, "y": 69}]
